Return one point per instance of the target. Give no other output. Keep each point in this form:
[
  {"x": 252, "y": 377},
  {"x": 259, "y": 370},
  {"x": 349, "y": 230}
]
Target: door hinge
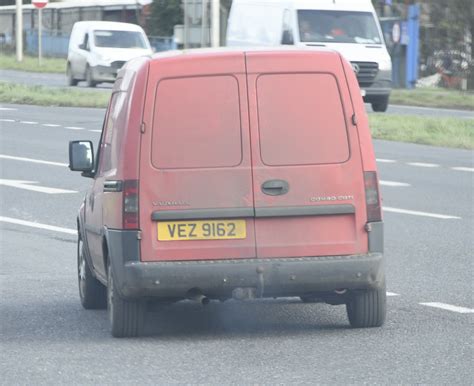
[
  {"x": 354, "y": 119},
  {"x": 142, "y": 127}
]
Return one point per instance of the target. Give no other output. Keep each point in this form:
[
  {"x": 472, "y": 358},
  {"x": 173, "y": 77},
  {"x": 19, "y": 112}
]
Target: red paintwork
[{"x": 218, "y": 124}]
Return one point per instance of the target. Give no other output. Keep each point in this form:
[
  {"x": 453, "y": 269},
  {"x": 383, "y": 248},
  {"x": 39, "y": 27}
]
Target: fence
[{"x": 55, "y": 44}]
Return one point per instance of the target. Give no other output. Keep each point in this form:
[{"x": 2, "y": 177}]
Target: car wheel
[
  {"x": 71, "y": 81},
  {"x": 91, "y": 291},
  {"x": 126, "y": 316},
  {"x": 89, "y": 78},
  {"x": 380, "y": 105},
  {"x": 367, "y": 308}
]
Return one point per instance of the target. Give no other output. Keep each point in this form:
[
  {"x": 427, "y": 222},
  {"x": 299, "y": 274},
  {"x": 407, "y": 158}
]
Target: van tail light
[
  {"x": 372, "y": 197},
  {"x": 130, "y": 204}
]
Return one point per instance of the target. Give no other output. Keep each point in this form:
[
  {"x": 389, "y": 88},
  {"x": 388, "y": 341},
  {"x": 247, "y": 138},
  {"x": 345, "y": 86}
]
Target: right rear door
[{"x": 307, "y": 172}]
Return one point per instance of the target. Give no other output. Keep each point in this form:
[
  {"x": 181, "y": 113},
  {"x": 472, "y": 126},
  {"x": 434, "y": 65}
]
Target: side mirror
[{"x": 81, "y": 157}]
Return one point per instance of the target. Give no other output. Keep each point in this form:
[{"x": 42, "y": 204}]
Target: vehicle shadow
[
  {"x": 266, "y": 317},
  {"x": 63, "y": 319}
]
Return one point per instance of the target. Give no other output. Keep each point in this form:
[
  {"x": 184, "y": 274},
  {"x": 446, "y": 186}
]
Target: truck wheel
[
  {"x": 71, "y": 81},
  {"x": 380, "y": 105},
  {"x": 367, "y": 308},
  {"x": 126, "y": 316},
  {"x": 91, "y": 291},
  {"x": 89, "y": 78}
]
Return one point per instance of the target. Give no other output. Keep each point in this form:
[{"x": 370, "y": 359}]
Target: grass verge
[
  {"x": 52, "y": 96},
  {"x": 29, "y": 63},
  {"x": 433, "y": 97},
  {"x": 446, "y": 132}
]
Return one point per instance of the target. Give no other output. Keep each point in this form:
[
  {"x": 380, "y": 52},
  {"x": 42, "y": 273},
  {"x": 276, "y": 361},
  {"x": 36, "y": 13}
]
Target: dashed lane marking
[
  {"x": 37, "y": 225},
  {"x": 30, "y": 185},
  {"x": 7, "y": 109},
  {"x": 394, "y": 183},
  {"x": 418, "y": 213},
  {"x": 29, "y": 122},
  {"x": 423, "y": 165},
  {"x": 38, "y": 161},
  {"x": 7, "y": 120},
  {"x": 74, "y": 128},
  {"x": 449, "y": 307},
  {"x": 96, "y": 131},
  {"x": 392, "y": 294},
  {"x": 463, "y": 169},
  {"x": 387, "y": 161},
  {"x": 50, "y": 125}
]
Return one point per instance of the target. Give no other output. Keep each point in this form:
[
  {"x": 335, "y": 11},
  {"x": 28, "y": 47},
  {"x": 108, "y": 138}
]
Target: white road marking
[
  {"x": 96, "y": 131},
  {"x": 26, "y": 185},
  {"x": 387, "y": 161},
  {"x": 417, "y": 213},
  {"x": 50, "y": 125},
  {"x": 463, "y": 169},
  {"x": 37, "y": 225},
  {"x": 74, "y": 128},
  {"x": 393, "y": 183},
  {"x": 392, "y": 294},
  {"x": 449, "y": 307},
  {"x": 423, "y": 165},
  {"x": 38, "y": 161},
  {"x": 7, "y": 120},
  {"x": 7, "y": 109},
  {"x": 29, "y": 122}
]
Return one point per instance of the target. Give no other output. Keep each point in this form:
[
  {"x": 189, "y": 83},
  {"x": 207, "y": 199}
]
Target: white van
[
  {"x": 98, "y": 49},
  {"x": 348, "y": 26}
]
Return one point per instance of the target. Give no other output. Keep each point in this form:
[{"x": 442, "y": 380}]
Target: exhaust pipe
[{"x": 200, "y": 298}]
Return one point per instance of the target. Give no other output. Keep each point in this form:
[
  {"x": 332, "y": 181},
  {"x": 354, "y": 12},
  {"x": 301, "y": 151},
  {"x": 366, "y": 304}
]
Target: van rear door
[
  {"x": 307, "y": 170},
  {"x": 196, "y": 195}
]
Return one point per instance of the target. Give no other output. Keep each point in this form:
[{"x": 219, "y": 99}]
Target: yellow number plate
[{"x": 202, "y": 230}]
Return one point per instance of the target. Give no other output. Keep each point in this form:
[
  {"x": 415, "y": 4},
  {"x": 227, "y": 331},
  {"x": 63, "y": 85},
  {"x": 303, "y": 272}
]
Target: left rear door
[{"x": 196, "y": 195}]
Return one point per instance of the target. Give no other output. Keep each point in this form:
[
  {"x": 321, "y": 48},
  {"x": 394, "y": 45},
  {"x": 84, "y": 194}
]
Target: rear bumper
[{"x": 219, "y": 278}]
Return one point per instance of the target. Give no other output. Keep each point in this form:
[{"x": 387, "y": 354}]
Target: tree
[{"x": 165, "y": 14}]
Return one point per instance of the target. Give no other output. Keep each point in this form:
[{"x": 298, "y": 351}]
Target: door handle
[{"x": 275, "y": 187}]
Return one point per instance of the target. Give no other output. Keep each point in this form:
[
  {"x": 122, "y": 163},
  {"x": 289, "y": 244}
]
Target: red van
[{"x": 232, "y": 174}]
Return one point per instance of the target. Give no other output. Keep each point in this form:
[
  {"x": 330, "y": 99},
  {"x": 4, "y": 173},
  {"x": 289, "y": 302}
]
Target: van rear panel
[
  {"x": 196, "y": 194},
  {"x": 307, "y": 171}
]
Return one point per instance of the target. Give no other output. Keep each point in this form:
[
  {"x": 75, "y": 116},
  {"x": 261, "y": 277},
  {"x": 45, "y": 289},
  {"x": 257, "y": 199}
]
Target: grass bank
[
  {"x": 52, "y": 96},
  {"x": 433, "y": 97},
  {"x": 30, "y": 64},
  {"x": 446, "y": 132}
]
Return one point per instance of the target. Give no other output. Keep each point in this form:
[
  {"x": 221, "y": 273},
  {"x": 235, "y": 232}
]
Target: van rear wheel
[
  {"x": 71, "y": 81},
  {"x": 380, "y": 105},
  {"x": 91, "y": 292},
  {"x": 367, "y": 308},
  {"x": 126, "y": 316},
  {"x": 90, "y": 78}
]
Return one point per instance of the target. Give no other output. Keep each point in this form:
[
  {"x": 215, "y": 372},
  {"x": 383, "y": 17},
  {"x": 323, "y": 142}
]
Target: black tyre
[
  {"x": 367, "y": 308},
  {"x": 90, "y": 82},
  {"x": 380, "y": 105},
  {"x": 91, "y": 291},
  {"x": 71, "y": 81},
  {"x": 126, "y": 316}
]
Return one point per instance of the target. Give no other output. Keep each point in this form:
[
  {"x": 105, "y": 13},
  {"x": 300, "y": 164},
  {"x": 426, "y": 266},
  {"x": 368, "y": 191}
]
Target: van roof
[
  {"x": 110, "y": 25},
  {"x": 346, "y": 5},
  {"x": 224, "y": 50}
]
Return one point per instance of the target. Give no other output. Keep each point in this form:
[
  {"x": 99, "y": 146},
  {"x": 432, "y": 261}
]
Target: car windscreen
[
  {"x": 119, "y": 39},
  {"x": 338, "y": 27}
]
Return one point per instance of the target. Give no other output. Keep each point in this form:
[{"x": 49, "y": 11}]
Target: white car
[{"x": 98, "y": 49}]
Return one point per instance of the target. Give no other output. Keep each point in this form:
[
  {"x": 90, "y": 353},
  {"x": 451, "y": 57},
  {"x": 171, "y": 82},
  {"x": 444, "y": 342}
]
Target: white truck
[{"x": 350, "y": 27}]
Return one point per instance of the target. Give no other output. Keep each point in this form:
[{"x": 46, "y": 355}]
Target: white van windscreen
[
  {"x": 338, "y": 27},
  {"x": 119, "y": 39}
]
